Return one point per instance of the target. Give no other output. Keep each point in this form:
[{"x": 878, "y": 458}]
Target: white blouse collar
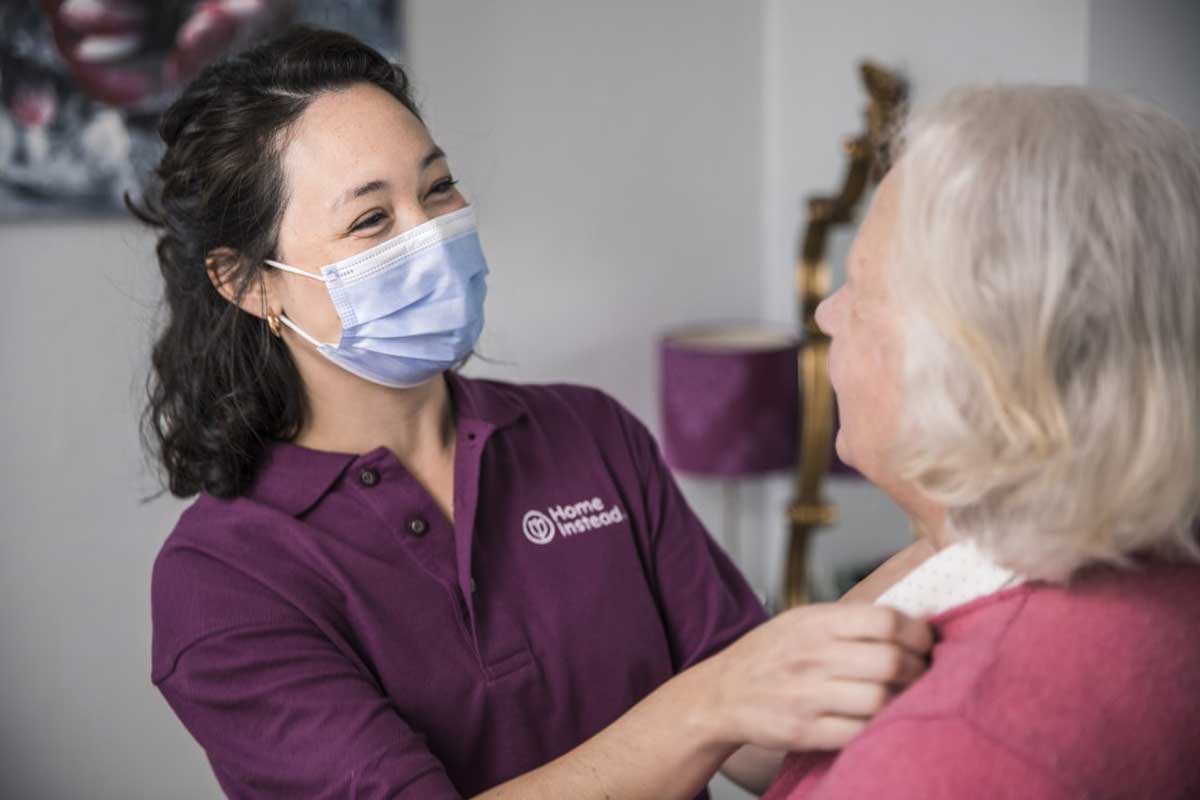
[{"x": 952, "y": 577}]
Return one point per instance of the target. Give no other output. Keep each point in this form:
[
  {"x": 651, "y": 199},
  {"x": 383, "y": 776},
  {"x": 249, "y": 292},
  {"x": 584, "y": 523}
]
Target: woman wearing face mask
[{"x": 398, "y": 582}]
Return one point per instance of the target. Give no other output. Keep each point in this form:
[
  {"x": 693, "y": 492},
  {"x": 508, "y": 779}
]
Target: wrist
[{"x": 702, "y": 708}]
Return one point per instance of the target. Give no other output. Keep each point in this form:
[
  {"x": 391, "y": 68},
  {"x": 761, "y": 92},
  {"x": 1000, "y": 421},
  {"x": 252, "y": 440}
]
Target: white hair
[{"x": 1049, "y": 242}]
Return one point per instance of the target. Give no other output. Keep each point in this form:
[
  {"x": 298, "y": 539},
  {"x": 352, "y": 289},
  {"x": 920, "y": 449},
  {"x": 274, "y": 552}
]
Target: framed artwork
[{"x": 83, "y": 82}]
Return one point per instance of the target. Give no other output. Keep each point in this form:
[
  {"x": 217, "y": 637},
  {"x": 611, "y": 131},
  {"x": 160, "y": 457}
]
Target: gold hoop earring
[{"x": 273, "y": 324}]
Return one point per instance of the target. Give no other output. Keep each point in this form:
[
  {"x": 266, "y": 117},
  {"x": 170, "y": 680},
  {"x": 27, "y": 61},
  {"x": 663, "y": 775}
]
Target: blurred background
[{"x": 636, "y": 166}]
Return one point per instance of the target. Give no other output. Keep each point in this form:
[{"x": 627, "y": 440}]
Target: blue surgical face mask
[{"x": 411, "y": 307}]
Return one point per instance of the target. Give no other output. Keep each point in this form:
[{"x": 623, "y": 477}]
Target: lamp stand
[{"x": 732, "y": 529}]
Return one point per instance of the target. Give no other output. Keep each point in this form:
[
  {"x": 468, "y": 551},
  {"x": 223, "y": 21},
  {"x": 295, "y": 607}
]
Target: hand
[{"x": 813, "y": 677}]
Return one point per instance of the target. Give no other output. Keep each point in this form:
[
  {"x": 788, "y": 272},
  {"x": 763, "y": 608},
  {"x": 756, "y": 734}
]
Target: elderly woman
[{"x": 1016, "y": 356}]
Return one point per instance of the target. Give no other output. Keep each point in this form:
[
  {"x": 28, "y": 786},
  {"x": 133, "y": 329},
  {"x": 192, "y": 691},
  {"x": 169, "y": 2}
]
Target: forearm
[
  {"x": 809, "y": 679},
  {"x": 667, "y": 746}
]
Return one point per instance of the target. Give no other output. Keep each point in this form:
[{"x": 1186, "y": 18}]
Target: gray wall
[
  {"x": 1150, "y": 48},
  {"x": 615, "y": 169},
  {"x": 635, "y": 165},
  {"x": 77, "y": 715}
]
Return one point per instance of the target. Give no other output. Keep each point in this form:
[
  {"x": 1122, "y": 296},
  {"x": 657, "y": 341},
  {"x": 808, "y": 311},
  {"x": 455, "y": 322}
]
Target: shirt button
[
  {"x": 473, "y": 587},
  {"x": 368, "y": 477},
  {"x": 418, "y": 526}
]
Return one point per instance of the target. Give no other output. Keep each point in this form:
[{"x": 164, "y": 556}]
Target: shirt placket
[
  {"x": 417, "y": 525},
  {"x": 503, "y": 649}
]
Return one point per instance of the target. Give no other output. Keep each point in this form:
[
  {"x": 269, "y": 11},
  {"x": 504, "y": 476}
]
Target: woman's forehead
[{"x": 348, "y": 134}]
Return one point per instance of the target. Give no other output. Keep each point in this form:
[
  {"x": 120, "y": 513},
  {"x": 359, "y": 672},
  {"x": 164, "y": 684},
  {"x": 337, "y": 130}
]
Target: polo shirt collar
[
  {"x": 292, "y": 478},
  {"x": 494, "y": 405}
]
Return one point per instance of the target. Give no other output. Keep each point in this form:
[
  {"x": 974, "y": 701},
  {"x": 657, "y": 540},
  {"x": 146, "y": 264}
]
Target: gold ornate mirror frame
[{"x": 869, "y": 158}]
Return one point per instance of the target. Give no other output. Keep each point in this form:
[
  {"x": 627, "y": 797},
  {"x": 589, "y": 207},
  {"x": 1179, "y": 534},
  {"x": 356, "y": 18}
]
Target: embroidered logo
[
  {"x": 569, "y": 520},
  {"x": 538, "y": 527}
]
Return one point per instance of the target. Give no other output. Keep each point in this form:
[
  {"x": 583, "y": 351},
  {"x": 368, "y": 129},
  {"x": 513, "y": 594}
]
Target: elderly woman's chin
[
  {"x": 862, "y": 459},
  {"x": 864, "y": 445},
  {"x": 853, "y": 456},
  {"x": 843, "y": 449}
]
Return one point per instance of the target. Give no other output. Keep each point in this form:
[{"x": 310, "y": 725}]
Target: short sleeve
[
  {"x": 280, "y": 709},
  {"x": 280, "y": 712},
  {"x": 933, "y": 759},
  {"x": 706, "y": 602}
]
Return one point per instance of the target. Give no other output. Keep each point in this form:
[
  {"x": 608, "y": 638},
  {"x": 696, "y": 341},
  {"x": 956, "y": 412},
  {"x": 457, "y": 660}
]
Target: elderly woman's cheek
[{"x": 889, "y": 390}]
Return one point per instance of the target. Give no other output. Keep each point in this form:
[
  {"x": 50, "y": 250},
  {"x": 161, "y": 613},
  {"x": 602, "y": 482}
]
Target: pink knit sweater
[{"x": 1039, "y": 692}]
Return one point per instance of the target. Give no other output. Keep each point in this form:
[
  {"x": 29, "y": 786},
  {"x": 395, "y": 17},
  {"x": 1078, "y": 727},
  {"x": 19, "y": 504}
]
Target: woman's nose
[{"x": 412, "y": 218}]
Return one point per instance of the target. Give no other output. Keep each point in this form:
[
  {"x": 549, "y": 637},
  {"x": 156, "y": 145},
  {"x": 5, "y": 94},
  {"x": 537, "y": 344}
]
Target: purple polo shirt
[{"x": 332, "y": 634}]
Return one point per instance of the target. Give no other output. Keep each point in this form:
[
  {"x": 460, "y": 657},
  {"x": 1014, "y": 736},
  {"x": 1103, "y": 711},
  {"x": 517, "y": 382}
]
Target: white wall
[
  {"x": 78, "y": 717},
  {"x": 636, "y": 165},
  {"x": 612, "y": 149}
]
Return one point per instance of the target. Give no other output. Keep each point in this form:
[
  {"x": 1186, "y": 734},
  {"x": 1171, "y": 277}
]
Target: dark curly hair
[{"x": 221, "y": 386}]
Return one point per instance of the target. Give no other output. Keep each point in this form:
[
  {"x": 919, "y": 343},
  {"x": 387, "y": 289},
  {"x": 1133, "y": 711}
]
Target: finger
[
  {"x": 830, "y": 733},
  {"x": 872, "y": 661},
  {"x": 859, "y": 699},
  {"x": 915, "y": 635},
  {"x": 883, "y": 624}
]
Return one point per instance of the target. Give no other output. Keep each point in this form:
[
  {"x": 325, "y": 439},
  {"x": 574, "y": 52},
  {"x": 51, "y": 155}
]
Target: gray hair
[{"x": 1050, "y": 243}]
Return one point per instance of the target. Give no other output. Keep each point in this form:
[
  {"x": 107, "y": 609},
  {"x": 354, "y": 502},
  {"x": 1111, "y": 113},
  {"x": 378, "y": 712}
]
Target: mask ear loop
[
  {"x": 274, "y": 321},
  {"x": 293, "y": 270},
  {"x": 300, "y": 332}
]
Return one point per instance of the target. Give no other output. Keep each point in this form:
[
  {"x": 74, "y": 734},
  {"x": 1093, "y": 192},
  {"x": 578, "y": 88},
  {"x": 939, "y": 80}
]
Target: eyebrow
[{"x": 434, "y": 155}]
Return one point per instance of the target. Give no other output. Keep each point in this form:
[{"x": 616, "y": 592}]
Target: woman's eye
[
  {"x": 443, "y": 186},
  {"x": 369, "y": 222}
]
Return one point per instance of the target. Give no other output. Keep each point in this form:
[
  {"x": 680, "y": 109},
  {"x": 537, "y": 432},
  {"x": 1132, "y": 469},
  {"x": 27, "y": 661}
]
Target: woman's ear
[{"x": 222, "y": 267}]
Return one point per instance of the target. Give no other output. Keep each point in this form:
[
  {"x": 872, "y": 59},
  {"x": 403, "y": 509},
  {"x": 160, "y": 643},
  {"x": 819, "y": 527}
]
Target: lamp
[
  {"x": 731, "y": 409},
  {"x": 729, "y": 398},
  {"x": 729, "y": 395}
]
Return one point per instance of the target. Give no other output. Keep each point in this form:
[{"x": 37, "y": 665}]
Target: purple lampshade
[{"x": 729, "y": 400}]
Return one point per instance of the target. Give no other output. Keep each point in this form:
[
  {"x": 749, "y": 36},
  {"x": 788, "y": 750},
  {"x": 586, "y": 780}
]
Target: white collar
[{"x": 953, "y": 576}]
